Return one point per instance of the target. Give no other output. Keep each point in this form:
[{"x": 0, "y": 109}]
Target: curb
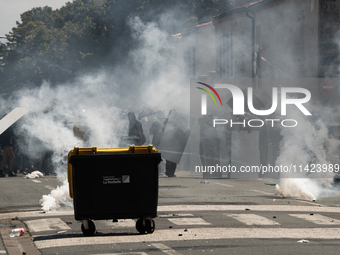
[{"x": 17, "y": 245}]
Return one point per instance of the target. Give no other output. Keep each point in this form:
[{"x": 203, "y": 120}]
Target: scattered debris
[
  {"x": 60, "y": 232},
  {"x": 16, "y": 232},
  {"x": 303, "y": 241},
  {"x": 271, "y": 184},
  {"x": 34, "y": 174},
  {"x": 311, "y": 214},
  {"x": 205, "y": 182},
  {"x": 274, "y": 217},
  {"x": 185, "y": 230},
  {"x": 179, "y": 234},
  {"x": 247, "y": 209},
  {"x": 15, "y": 218},
  {"x": 170, "y": 226},
  {"x": 68, "y": 222}
]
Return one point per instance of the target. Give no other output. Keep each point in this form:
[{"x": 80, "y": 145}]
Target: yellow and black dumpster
[{"x": 114, "y": 183}]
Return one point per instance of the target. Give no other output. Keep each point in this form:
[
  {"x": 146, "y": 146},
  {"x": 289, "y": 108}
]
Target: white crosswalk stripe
[
  {"x": 188, "y": 221},
  {"x": 175, "y": 215},
  {"x": 165, "y": 249},
  {"x": 184, "y": 219},
  {"x": 198, "y": 234},
  {"x": 252, "y": 219},
  {"x": 191, "y": 208},
  {"x": 46, "y": 225},
  {"x": 129, "y": 253},
  {"x": 207, "y": 231},
  {"x": 317, "y": 219}
]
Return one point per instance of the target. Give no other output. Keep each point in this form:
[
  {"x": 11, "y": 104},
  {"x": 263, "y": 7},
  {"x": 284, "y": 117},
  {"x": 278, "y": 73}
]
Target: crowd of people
[
  {"x": 14, "y": 161},
  {"x": 158, "y": 124}
]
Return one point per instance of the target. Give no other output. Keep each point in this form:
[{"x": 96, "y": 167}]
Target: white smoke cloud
[
  {"x": 95, "y": 104},
  {"x": 305, "y": 146}
]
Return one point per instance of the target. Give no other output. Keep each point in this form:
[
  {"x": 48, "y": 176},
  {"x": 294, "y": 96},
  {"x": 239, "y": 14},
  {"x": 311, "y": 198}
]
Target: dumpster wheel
[
  {"x": 148, "y": 226},
  {"x": 88, "y": 230}
]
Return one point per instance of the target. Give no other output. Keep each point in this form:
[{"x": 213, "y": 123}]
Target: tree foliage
[{"x": 55, "y": 45}]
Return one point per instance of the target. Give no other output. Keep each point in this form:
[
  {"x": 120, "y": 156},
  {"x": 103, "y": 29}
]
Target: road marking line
[
  {"x": 260, "y": 208},
  {"x": 317, "y": 219},
  {"x": 165, "y": 249},
  {"x": 3, "y": 252},
  {"x": 46, "y": 225},
  {"x": 36, "y": 181},
  {"x": 131, "y": 253},
  {"x": 259, "y": 191},
  {"x": 307, "y": 202},
  {"x": 222, "y": 184},
  {"x": 188, "y": 221},
  {"x": 190, "y": 208},
  {"x": 196, "y": 234},
  {"x": 171, "y": 215},
  {"x": 252, "y": 219},
  {"x": 49, "y": 187}
]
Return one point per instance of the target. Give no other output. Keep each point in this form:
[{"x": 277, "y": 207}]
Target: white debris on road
[
  {"x": 303, "y": 241},
  {"x": 34, "y": 174}
]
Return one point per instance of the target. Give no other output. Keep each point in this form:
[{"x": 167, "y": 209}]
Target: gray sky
[{"x": 11, "y": 9}]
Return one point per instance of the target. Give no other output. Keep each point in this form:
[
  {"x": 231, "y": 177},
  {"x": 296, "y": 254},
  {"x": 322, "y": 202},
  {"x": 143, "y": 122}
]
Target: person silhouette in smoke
[
  {"x": 209, "y": 145},
  {"x": 6, "y": 141},
  {"x": 170, "y": 167},
  {"x": 136, "y": 129},
  {"x": 156, "y": 131}
]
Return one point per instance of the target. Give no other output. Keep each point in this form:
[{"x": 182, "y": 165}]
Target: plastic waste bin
[{"x": 120, "y": 183}]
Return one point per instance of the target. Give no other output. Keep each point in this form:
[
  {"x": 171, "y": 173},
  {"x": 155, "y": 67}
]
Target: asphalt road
[{"x": 224, "y": 216}]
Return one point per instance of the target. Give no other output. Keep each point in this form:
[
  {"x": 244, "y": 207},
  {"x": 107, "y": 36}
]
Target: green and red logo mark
[{"x": 209, "y": 93}]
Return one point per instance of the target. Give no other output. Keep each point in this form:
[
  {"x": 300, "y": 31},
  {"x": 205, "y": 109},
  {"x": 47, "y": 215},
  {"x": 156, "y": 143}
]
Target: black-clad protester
[
  {"x": 170, "y": 167},
  {"x": 156, "y": 132},
  {"x": 136, "y": 129},
  {"x": 6, "y": 141}
]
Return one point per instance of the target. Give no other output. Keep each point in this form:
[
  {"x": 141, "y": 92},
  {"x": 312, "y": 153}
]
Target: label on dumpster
[
  {"x": 126, "y": 178},
  {"x": 111, "y": 180}
]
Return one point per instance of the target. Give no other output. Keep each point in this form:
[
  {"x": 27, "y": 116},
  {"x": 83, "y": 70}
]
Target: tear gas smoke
[
  {"x": 308, "y": 143},
  {"x": 58, "y": 196},
  {"x": 91, "y": 110}
]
